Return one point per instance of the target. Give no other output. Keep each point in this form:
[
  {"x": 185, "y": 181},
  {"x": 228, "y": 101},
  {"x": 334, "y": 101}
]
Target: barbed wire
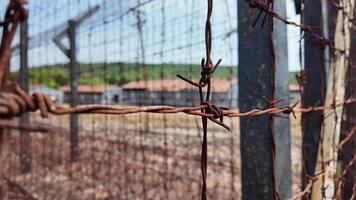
[
  {"x": 15, "y": 102},
  {"x": 308, "y": 187},
  {"x": 14, "y": 14},
  {"x": 264, "y": 7},
  {"x": 207, "y": 71}
]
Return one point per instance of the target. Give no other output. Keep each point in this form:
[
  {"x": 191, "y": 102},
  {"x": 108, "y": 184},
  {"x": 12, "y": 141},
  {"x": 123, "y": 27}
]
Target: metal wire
[
  {"x": 138, "y": 168},
  {"x": 15, "y": 105}
]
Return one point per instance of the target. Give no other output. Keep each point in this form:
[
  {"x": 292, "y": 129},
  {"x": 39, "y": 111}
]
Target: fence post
[
  {"x": 282, "y": 125},
  {"x": 255, "y": 78},
  {"x": 74, "y": 72},
  {"x": 25, "y": 137},
  {"x": 314, "y": 88}
]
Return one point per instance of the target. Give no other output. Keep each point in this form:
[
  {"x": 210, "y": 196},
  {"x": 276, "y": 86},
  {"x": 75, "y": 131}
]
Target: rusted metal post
[
  {"x": 74, "y": 73},
  {"x": 258, "y": 170},
  {"x": 25, "y": 138},
  {"x": 314, "y": 88}
]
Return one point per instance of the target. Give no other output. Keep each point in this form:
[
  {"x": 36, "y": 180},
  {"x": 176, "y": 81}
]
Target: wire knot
[
  {"x": 17, "y": 6},
  {"x": 290, "y": 109},
  {"x": 217, "y": 112},
  {"x": 207, "y": 71},
  {"x": 206, "y": 68},
  {"x": 260, "y": 4},
  {"x": 14, "y": 102}
]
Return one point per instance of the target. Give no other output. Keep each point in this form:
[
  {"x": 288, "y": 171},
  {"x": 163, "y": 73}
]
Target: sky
[
  {"x": 293, "y": 38},
  {"x": 172, "y": 31}
]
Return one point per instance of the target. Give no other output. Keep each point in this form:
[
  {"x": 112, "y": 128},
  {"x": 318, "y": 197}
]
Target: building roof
[
  {"x": 89, "y": 88},
  {"x": 169, "y": 85},
  {"x": 35, "y": 86},
  {"x": 175, "y": 85},
  {"x": 293, "y": 88}
]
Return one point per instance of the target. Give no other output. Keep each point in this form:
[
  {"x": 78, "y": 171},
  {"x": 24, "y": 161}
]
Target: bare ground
[{"x": 132, "y": 157}]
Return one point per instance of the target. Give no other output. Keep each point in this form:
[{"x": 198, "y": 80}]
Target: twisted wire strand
[
  {"x": 14, "y": 14},
  {"x": 308, "y": 187},
  {"x": 14, "y": 104}
]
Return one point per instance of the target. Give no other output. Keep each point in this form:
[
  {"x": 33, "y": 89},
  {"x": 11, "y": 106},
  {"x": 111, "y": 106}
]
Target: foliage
[
  {"x": 115, "y": 73},
  {"x": 118, "y": 73}
]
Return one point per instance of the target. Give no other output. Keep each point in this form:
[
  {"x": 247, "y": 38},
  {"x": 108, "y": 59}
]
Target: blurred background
[{"x": 129, "y": 53}]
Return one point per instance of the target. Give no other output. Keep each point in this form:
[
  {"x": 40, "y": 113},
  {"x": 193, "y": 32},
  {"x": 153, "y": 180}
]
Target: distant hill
[{"x": 118, "y": 73}]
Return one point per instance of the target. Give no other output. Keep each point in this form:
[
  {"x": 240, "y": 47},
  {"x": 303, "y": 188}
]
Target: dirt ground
[{"x": 136, "y": 156}]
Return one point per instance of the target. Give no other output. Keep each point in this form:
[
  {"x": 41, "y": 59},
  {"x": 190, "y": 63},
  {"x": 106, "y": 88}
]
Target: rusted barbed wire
[
  {"x": 18, "y": 103},
  {"x": 264, "y": 7},
  {"x": 340, "y": 182},
  {"x": 15, "y": 13},
  {"x": 308, "y": 187},
  {"x": 206, "y": 107}
]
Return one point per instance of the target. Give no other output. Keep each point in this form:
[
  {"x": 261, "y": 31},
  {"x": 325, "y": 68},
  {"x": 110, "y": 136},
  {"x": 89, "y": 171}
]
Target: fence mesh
[
  {"x": 128, "y": 53},
  {"x": 138, "y": 47}
]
